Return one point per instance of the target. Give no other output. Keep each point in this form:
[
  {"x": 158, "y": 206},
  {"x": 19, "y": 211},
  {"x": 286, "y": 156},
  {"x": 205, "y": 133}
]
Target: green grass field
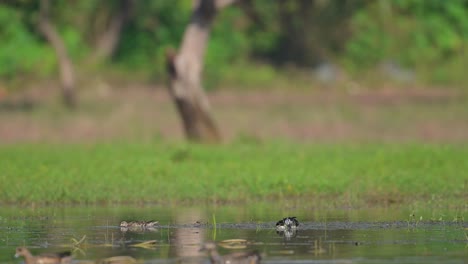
[{"x": 237, "y": 172}]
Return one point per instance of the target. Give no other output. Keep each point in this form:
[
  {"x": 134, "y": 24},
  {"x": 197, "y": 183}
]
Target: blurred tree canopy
[{"x": 428, "y": 36}]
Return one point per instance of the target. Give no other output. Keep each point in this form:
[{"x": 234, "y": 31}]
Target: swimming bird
[
  {"x": 287, "y": 223},
  {"x": 45, "y": 258},
  {"x": 252, "y": 257},
  {"x": 139, "y": 224},
  {"x": 118, "y": 260}
]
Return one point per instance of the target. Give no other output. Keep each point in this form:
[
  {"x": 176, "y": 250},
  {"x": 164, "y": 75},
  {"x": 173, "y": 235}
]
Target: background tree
[
  {"x": 185, "y": 70},
  {"x": 67, "y": 73},
  {"x": 109, "y": 37}
]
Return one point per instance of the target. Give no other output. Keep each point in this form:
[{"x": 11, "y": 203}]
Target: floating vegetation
[
  {"x": 233, "y": 243},
  {"x": 150, "y": 244},
  {"x": 214, "y": 227},
  {"x": 78, "y": 243}
]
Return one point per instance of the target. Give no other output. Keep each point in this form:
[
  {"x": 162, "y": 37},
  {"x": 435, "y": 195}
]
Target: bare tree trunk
[
  {"x": 67, "y": 74},
  {"x": 107, "y": 43},
  {"x": 185, "y": 71}
]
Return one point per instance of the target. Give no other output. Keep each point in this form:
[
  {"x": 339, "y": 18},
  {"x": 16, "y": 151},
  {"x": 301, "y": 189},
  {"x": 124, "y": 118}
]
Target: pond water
[{"x": 324, "y": 236}]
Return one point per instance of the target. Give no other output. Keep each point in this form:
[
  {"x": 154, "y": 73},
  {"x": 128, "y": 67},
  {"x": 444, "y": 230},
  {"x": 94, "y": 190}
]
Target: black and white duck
[{"x": 288, "y": 223}]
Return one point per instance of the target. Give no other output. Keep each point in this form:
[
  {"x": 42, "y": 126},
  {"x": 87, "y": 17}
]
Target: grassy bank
[{"x": 158, "y": 172}]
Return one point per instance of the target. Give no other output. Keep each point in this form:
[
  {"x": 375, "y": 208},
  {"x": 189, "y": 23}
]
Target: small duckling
[
  {"x": 287, "y": 223},
  {"x": 45, "y": 258},
  {"x": 138, "y": 225},
  {"x": 118, "y": 260},
  {"x": 252, "y": 257}
]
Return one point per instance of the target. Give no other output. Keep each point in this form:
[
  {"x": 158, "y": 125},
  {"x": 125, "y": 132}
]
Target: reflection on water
[
  {"x": 369, "y": 236},
  {"x": 186, "y": 241}
]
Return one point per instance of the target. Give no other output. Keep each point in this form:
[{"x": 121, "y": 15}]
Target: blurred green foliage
[
  {"x": 156, "y": 26},
  {"x": 250, "y": 42},
  {"x": 20, "y": 49},
  {"x": 428, "y": 35}
]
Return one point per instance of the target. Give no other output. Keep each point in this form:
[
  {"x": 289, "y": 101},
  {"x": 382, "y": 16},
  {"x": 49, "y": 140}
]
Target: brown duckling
[
  {"x": 138, "y": 226},
  {"x": 252, "y": 257},
  {"x": 118, "y": 260},
  {"x": 45, "y": 258}
]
